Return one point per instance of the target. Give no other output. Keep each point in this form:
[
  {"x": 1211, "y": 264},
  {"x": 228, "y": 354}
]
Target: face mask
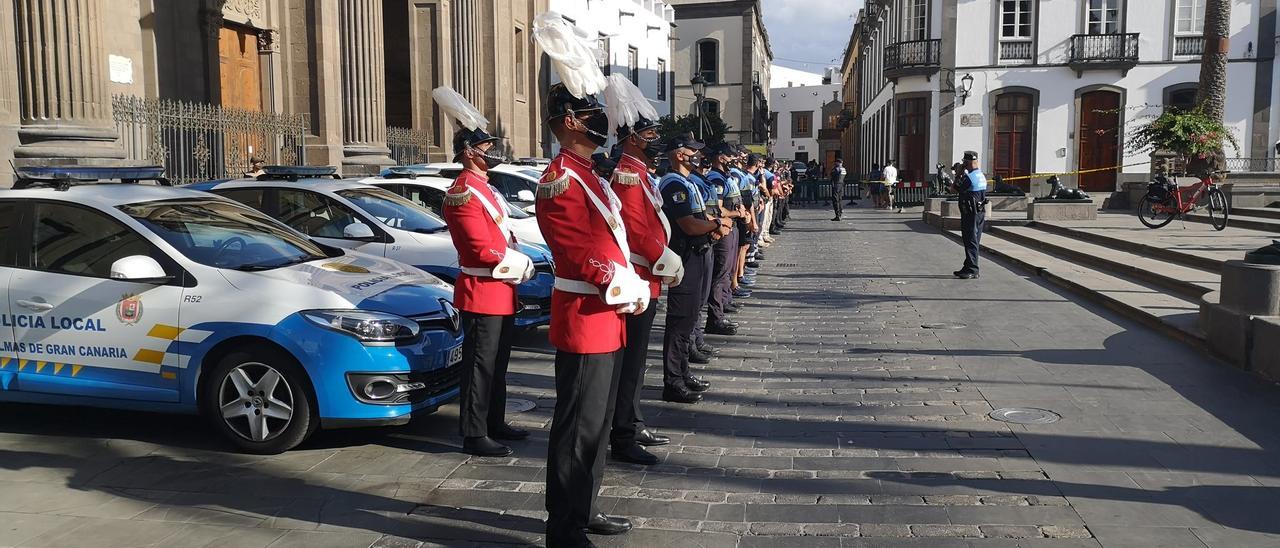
[
  {"x": 693, "y": 162},
  {"x": 490, "y": 161},
  {"x": 650, "y": 148},
  {"x": 597, "y": 127}
]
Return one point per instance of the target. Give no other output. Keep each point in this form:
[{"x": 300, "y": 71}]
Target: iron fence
[
  {"x": 1253, "y": 165},
  {"x": 913, "y": 54},
  {"x": 201, "y": 142},
  {"x": 408, "y": 146},
  {"x": 1095, "y": 48}
]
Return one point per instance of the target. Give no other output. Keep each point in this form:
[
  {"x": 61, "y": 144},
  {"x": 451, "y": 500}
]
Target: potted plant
[{"x": 1192, "y": 137}]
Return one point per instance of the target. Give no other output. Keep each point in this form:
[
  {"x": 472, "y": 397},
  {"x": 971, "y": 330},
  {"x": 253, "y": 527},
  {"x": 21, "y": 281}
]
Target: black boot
[
  {"x": 484, "y": 446},
  {"x": 601, "y": 524}
]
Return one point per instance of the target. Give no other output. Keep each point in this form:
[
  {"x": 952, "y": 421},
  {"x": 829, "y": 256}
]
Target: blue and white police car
[
  {"x": 363, "y": 217},
  {"x": 157, "y": 298}
]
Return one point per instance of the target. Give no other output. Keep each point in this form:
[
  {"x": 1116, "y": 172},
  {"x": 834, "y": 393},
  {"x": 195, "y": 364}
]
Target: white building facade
[
  {"x": 1048, "y": 85},
  {"x": 725, "y": 42},
  {"x": 797, "y": 116},
  {"x": 634, "y": 39}
]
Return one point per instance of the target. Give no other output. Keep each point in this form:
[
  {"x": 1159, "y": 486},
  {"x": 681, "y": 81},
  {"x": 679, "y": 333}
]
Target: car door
[
  {"x": 77, "y": 331},
  {"x": 9, "y": 223},
  {"x": 324, "y": 219}
]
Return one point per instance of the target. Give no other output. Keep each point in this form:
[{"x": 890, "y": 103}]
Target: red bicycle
[{"x": 1166, "y": 200}]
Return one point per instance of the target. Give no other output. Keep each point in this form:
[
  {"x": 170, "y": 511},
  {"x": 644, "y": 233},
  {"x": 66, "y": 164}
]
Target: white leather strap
[
  {"x": 612, "y": 216},
  {"x": 638, "y": 260},
  {"x": 497, "y": 217},
  {"x": 575, "y": 286}
]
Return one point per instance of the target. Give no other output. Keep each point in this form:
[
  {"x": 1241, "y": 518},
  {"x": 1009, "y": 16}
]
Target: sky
[{"x": 809, "y": 35}]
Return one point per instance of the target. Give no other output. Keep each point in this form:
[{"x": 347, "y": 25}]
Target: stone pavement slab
[{"x": 836, "y": 419}]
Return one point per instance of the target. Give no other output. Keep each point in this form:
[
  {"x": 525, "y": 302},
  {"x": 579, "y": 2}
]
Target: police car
[
  {"x": 515, "y": 183},
  {"x": 372, "y": 220},
  {"x": 428, "y": 191},
  {"x": 157, "y": 298}
]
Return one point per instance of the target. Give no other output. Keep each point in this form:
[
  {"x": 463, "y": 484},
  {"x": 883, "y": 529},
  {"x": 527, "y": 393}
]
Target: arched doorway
[
  {"x": 1098, "y": 138},
  {"x": 1014, "y": 136}
]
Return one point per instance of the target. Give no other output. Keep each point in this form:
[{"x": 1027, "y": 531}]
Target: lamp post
[
  {"x": 966, "y": 84},
  {"x": 699, "y": 91}
]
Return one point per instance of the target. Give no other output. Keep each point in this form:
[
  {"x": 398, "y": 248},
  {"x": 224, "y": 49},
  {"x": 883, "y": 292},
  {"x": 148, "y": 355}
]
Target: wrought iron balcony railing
[
  {"x": 1017, "y": 51},
  {"x": 1104, "y": 48},
  {"x": 1188, "y": 45},
  {"x": 911, "y": 58}
]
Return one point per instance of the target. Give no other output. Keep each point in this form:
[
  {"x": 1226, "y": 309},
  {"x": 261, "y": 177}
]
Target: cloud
[{"x": 808, "y": 34}]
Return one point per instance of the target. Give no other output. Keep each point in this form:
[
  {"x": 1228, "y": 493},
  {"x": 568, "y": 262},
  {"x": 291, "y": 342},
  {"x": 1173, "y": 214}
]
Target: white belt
[
  {"x": 576, "y": 286},
  {"x": 477, "y": 271},
  {"x": 638, "y": 260}
]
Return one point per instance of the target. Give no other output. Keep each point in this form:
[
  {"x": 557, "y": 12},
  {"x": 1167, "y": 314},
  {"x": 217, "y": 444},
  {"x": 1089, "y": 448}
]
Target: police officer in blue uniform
[
  {"x": 973, "y": 213},
  {"x": 725, "y": 251},
  {"x": 693, "y": 233}
]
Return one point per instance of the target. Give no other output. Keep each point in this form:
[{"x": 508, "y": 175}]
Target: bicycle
[{"x": 1166, "y": 200}]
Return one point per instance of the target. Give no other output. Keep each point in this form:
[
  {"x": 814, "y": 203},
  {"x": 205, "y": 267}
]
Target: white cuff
[
  {"x": 625, "y": 287},
  {"x": 669, "y": 266},
  {"x": 513, "y": 267}
]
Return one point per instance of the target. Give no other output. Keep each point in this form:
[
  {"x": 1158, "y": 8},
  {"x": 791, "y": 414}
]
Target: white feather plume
[
  {"x": 459, "y": 108},
  {"x": 625, "y": 103},
  {"x": 572, "y": 54}
]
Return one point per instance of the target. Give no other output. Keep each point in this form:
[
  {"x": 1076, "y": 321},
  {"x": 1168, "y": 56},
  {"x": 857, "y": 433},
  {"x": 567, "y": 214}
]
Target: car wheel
[{"x": 260, "y": 401}]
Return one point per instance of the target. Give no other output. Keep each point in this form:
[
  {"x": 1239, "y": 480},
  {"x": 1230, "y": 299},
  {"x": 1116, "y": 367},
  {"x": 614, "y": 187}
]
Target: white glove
[
  {"x": 514, "y": 268},
  {"x": 627, "y": 290},
  {"x": 669, "y": 268}
]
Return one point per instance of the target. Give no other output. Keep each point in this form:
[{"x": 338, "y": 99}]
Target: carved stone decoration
[
  {"x": 268, "y": 42},
  {"x": 249, "y": 8}
]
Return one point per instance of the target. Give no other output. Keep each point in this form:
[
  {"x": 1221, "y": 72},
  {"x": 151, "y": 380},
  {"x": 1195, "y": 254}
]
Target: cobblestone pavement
[{"x": 835, "y": 419}]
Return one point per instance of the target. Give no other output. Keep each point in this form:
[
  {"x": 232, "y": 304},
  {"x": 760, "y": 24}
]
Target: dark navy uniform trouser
[
  {"x": 684, "y": 304},
  {"x": 973, "y": 214},
  {"x": 486, "y": 349},
  {"x": 724, "y": 262},
  {"x": 627, "y": 419}
]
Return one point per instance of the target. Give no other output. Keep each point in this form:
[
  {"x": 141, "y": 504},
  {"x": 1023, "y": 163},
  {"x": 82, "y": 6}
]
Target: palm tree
[{"x": 1212, "y": 95}]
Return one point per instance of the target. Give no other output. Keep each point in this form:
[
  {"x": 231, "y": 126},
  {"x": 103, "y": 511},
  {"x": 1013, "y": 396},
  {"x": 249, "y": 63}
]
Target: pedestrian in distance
[
  {"x": 485, "y": 290},
  {"x": 875, "y": 182},
  {"x": 972, "y": 185},
  {"x": 837, "y": 189},
  {"x": 890, "y": 178},
  {"x": 595, "y": 289}
]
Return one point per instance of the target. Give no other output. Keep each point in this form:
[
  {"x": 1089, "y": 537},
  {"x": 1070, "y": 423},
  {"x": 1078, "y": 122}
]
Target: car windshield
[
  {"x": 536, "y": 174},
  {"x": 517, "y": 213},
  {"x": 224, "y": 234},
  {"x": 394, "y": 211}
]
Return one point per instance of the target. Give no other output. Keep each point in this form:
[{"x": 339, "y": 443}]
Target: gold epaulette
[
  {"x": 553, "y": 184},
  {"x": 457, "y": 196},
  {"x": 626, "y": 178}
]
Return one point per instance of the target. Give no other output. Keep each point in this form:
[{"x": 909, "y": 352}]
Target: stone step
[
  {"x": 1185, "y": 281},
  {"x": 1183, "y": 258},
  {"x": 1239, "y": 219},
  {"x": 1266, "y": 212},
  {"x": 1172, "y": 315}
]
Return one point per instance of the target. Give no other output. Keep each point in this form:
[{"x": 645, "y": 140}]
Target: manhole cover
[
  {"x": 1025, "y": 415},
  {"x": 516, "y": 405},
  {"x": 943, "y": 325}
]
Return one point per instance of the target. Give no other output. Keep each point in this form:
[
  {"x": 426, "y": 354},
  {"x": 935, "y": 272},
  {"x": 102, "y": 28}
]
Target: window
[
  {"x": 1189, "y": 17},
  {"x": 1102, "y": 16},
  {"x": 773, "y": 125},
  {"x": 215, "y": 233},
  {"x": 510, "y": 185},
  {"x": 522, "y": 77},
  {"x": 914, "y": 20},
  {"x": 662, "y": 79},
  {"x": 802, "y": 123},
  {"x": 80, "y": 241},
  {"x": 393, "y": 210},
  {"x": 604, "y": 56},
  {"x": 1181, "y": 97},
  {"x": 709, "y": 60},
  {"x": 8, "y": 227},
  {"x": 1016, "y": 19},
  {"x": 711, "y": 106},
  {"x": 633, "y": 64},
  {"x": 313, "y": 214}
]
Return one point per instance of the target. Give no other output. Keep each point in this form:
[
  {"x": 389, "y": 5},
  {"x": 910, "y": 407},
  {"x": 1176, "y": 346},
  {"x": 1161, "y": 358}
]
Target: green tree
[{"x": 713, "y": 132}]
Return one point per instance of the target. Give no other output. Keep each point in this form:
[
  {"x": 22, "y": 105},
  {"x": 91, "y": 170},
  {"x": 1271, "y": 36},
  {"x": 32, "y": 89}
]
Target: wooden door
[
  {"x": 1012, "y": 148},
  {"x": 240, "y": 74},
  {"x": 913, "y": 139},
  {"x": 1099, "y": 140}
]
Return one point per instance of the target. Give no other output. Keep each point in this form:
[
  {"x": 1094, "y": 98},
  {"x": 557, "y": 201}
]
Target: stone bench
[{"x": 1062, "y": 210}]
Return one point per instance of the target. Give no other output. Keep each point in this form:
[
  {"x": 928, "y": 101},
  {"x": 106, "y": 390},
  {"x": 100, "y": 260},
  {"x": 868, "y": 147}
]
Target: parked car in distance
[
  {"x": 429, "y": 190},
  {"x": 516, "y": 183}
]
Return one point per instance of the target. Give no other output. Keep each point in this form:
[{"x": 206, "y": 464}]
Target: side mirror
[
  {"x": 358, "y": 231},
  {"x": 139, "y": 268},
  {"x": 525, "y": 196}
]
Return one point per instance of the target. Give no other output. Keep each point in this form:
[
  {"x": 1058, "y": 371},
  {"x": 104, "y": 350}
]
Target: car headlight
[{"x": 372, "y": 328}]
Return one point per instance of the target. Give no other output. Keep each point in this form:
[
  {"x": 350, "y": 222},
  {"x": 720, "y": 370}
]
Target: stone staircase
[{"x": 1253, "y": 218}]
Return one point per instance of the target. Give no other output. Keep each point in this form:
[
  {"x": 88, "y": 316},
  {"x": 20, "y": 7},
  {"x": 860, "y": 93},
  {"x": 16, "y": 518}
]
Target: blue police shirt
[
  {"x": 680, "y": 196},
  {"x": 708, "y": 193},
  {"x": 977, "y": 181}
]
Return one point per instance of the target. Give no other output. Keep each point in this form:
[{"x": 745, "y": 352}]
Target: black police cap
[
  {"x": 685, "y": 140},
  {"x": 721, "y": 149},
  {"x": 560, "y": 103}
]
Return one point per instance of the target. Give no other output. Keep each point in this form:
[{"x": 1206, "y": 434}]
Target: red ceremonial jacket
[
  {"x": 645, "y": 234},
  {"x": 480, "y": 244},
  {"x": 584, "y": 250}
]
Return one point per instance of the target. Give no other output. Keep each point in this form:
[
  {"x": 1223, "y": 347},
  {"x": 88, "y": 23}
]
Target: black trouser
[
  {"x": 486, "y": 349},
  {"x": 973, "y": 213},
  {"x": 724, "y": 262},
  {"x": 684, "y": 302},
  {"x": 837, "y": 204},
  {"x": 586, "y": 386},
  {"x": 627, "y": 418}
]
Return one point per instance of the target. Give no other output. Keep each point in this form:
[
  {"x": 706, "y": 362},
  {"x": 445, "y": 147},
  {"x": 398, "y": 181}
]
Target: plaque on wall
[
  {"x": 970, "y": 120},
  {"x": 121, "y": 69}
]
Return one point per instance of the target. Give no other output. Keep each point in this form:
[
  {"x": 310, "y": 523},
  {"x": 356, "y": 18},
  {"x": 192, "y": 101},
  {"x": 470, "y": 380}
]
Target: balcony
[
  {"x": 1103, "y": 52},
  {"x": 1188, "y": 46},
  {"x": 1017, "y": 51},
  {"x": 913, "y": 58}
]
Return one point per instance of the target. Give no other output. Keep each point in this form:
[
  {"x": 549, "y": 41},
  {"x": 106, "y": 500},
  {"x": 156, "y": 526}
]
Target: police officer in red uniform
[{"x": 485, "y": 290}]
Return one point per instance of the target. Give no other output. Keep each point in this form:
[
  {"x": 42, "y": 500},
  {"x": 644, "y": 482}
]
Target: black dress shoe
[
  {"x": 484, "y": 446},
  {"x": 759, "y": 256},
  {"x": 648, "y": 438},
  {"x": 698, "y": 357},
  {"x": 732, "y": 309},
  {"x": 835, "y": 218},
  {"x": 696, "y": 384},
  {"x": 680, "y": 395},
  {"x": 721, "y": 329},
  {"x": 967, "y": 275},
  {"x": 635, "y": 454},
  {"x": 708, "y": 349},
  {"x": 753, "y": 264},
  {"x": 601, "y": 524},
  {"x": 508, "y": 433}
]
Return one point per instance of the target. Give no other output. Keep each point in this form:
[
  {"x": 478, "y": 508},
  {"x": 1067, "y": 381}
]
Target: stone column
[
  {"x": 64, "y": 110},
  {"x": 364, "y": 90}
]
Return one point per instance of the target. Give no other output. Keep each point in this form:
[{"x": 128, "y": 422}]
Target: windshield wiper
[
  {"x": 435, "y": 230},
  {"x": 261, "y": 267}
]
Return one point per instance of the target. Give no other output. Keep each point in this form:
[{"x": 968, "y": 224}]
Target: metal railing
[
  {"x": 1104, "y": 48},
  {"x": 1253, "y": 165},
  {"x": 913, "y": 54},
  {"x": 200, "y": 142},
  {"x": 408, "y": 146},
  {"x": 1017, "y": 51},
  {"x": 1188, "y": 45}
]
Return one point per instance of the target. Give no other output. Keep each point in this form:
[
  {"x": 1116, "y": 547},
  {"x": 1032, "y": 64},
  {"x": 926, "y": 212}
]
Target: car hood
[{"x": 365, "y": 282}]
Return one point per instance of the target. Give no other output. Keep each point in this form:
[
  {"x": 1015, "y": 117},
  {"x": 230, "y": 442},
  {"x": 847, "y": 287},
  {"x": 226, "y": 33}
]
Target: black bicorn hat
[
  {"x": 684, "y": 140},
  {"x": 641, "y": 124},
  {"x": 465, "y": 138},
  {"x": 560, "y": 103}
]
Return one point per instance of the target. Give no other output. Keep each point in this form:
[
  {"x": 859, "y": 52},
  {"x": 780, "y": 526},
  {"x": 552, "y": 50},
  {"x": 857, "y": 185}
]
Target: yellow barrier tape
[{"x": 1076, "y": 172}]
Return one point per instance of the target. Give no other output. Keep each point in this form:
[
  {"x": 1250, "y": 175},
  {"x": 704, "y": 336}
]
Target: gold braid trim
[
  {"x": 454, "y": 198},
  {"x": 626, "y": 178},
  {"x": 548, "y": 189}
]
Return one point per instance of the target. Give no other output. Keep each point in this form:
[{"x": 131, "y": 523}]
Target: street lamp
[
  {"x": 966, "y": 84},
  {"x": 699, "y": 91}
]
